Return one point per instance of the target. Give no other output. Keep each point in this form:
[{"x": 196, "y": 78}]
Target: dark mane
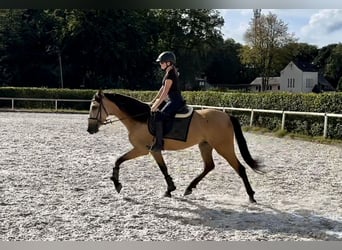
[{"x": 136, "y": 109}]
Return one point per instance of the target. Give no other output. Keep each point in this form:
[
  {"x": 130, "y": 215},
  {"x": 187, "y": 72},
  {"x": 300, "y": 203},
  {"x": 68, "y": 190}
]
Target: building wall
[
  {"x": 310, "y": 79},
  {"x": 292, "y": 79},
  {"x": 257, "y": 88},
  {"x": 273, "y": 86}
]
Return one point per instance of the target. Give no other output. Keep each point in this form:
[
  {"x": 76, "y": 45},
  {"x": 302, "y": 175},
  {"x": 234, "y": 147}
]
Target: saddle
[
  {"x": 184, "y": 112},
  {"x": 176, "y": 128}
]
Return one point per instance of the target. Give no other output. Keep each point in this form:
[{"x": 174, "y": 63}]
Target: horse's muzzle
[
  {"x": 93, "y": 126},
  {"x": 92, "y": 130}
]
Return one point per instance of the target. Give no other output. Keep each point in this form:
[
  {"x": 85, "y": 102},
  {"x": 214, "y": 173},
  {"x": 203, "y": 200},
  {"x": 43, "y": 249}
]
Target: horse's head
[{"x": 97, "y": 113}]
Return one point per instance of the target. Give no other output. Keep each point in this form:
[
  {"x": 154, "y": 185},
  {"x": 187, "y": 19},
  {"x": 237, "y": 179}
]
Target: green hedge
[
  {"x": 309, "y": 125},
  {"x": 46, "y": 93}
]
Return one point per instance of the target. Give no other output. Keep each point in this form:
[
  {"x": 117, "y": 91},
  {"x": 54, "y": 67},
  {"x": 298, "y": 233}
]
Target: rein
[{"x": 109, "y": 121}]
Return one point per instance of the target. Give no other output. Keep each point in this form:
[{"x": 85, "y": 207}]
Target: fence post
[
  {"x": 325, "y": 125},
  {"x": 12, "y": 103},
  {"x": 251, "y": 120},
  {"x": 283, "y": 121},
  {"x": 56, "y": 101}
]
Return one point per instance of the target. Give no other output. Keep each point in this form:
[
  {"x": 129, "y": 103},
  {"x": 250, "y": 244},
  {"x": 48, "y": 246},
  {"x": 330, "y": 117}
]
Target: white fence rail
[
  {"x": 56, "y": 101},
  {"x": 252, "y": 111},
  {"x": 283, "y": 112}
]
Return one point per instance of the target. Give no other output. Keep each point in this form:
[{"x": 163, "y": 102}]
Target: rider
[{"x": 169, "y": 94}]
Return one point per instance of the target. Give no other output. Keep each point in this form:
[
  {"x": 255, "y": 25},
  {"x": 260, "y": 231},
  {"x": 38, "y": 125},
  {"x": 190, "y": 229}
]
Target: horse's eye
[{"x": 94, "y": 105}]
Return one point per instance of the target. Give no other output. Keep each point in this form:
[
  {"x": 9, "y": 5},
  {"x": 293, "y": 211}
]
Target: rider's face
[{"x": 163, "y": 65}]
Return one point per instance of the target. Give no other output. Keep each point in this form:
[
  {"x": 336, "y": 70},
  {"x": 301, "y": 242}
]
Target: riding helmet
[{"x": 167, "y": 56}]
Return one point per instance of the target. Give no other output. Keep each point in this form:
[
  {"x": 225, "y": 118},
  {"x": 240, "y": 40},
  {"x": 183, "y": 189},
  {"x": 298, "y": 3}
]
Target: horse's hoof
[
  {"x": 252, "y": 200},
  {"x": 187, "y": 192},
  {"x": 172, "y": 188},
  {"x": 118, "y": 187},
  {"x": 167, "y": 194}
]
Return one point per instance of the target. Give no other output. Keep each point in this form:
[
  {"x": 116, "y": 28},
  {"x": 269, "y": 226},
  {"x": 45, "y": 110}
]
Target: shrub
[{"x": 309, "y": 125}]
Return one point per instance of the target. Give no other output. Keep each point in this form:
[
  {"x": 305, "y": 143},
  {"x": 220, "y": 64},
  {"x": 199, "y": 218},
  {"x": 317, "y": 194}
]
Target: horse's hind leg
[
  {"x": 161, "y": 163},
  {"x": 243, "y": 175},
  {"x": 229, "y": 155},
  {"x": 206, "y": 153}
]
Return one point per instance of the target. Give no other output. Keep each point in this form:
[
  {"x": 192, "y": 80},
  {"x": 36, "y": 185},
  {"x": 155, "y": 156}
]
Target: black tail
[{"x": 254, "y": 164}]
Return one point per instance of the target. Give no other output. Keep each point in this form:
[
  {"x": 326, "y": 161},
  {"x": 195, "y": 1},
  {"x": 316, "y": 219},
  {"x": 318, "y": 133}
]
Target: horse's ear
[{"x": 99, "y": 95}]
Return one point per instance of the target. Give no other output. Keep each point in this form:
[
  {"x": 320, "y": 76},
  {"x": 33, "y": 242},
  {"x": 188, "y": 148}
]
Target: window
[
  {"x": 290, "y": 83},
  {"x": 309, "y": 83}
]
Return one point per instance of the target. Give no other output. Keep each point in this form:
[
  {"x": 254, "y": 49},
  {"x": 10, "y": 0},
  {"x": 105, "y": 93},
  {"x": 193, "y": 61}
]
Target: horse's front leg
[
  {"x": 161, "y": 163},
  {"x": 133, "y": 153}
]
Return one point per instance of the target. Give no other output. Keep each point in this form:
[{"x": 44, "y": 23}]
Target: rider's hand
[{"x": 154, "y": 108}]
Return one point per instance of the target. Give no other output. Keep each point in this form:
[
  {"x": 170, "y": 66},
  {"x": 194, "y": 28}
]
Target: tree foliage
[
  {"x": 329, "y": 60},
  {"x": 102, "y": 48},
  {"x": 224, "y": 66},
  {"x": 117, "y": 48},
  {"x": 265, "y": 36}
]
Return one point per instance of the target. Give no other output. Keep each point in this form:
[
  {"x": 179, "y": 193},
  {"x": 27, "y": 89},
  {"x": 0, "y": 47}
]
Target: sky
[{"x": 318, "y": 27}]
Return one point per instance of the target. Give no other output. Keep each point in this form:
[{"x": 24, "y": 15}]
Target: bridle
[{"x": 98, "y": 117}]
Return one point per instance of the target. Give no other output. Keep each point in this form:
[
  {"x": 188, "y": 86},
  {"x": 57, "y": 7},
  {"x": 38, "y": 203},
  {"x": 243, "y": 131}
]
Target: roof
[
  {"x": 305, "y": 66},
  {"x": 271, "y": 81},
  {"x": 324, "y": 83}
]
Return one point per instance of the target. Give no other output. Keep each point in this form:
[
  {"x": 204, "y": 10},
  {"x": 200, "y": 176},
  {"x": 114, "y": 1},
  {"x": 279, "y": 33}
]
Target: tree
[
  {"x": 339, "y": 85},
  {"x": 25, "y": 61},
  {"x": 113, "y": 48},
  {"x": 264, "y": 37},
  {"x": 329, "y": 61},
  {"x": 191, "y": 34},
  {"x": 9, "y": 23},
  {"x": 333, "y": 68},
  {"x": 223, "y": 64},
  {"x": 103, "y": 48},
  {"x": 297, "y": 52}
]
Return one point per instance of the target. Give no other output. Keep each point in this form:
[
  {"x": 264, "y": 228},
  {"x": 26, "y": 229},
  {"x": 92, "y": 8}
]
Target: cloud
[
  {"x": 327, "y": 20},
  {"x": 324, "y": 27},
  {"x": 236, "y": 23},
  {"x": 312, "y": 26}
]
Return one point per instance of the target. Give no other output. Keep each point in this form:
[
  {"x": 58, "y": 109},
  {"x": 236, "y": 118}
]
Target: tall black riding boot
[{"x": 159, "y": 142}]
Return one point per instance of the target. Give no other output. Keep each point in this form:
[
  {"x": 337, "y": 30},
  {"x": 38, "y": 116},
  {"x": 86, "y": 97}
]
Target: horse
[{"x": 209, "y": 129}]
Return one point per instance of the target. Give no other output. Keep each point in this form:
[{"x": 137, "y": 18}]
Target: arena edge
[{"x": 312, "y": 126}]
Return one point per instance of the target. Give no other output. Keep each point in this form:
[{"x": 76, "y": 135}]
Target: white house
[
  {"x": 298, "y": 77},
  {"x": 273, "y": 84}
]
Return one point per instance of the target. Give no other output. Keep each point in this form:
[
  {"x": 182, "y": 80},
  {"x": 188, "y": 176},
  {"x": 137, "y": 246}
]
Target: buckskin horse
[{"x": 209, "y": 128}]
